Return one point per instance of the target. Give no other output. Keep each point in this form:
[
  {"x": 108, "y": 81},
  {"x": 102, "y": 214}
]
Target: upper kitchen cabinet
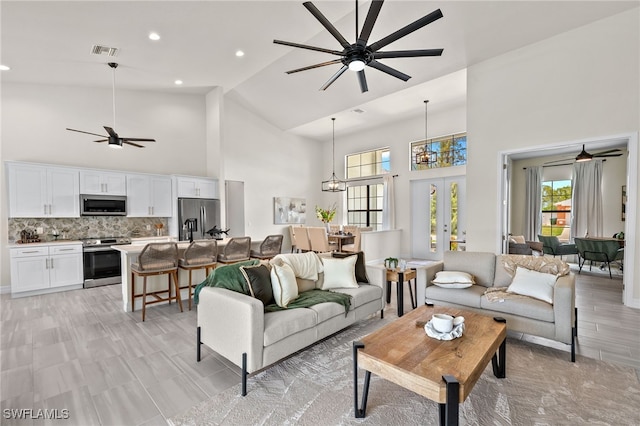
[
  {"x": 43, "y": 191},
  {"x": 148, "y": 195},
  {"x": 98, "y": 182},
  {"x": 196, "y": 187}
]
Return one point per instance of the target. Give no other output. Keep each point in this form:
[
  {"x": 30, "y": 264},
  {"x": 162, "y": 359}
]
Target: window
[
  {"x": 364, "y": 205},
  {"x": 370, "y": 163},
  {"x": 450, "y": 151},
  {"x": 556, "y": 208},
  {"x": 364, "y": 202}
]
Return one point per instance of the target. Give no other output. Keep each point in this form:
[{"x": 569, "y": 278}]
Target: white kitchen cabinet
[
  {"x": 196, "y": 187},
  {"x": 43, "y": 191},
  {"x": 98, "y": 182},
  {"x": 148, "y": 196},
  {"x": 42, "y": 268}
]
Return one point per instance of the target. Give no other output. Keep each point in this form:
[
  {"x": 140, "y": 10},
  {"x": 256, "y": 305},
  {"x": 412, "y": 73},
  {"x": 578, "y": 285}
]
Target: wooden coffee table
[{"x": 443, "y": 371}]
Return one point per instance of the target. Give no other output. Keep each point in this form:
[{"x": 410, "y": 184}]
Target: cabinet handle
[
  {"x": 46, "y": 263},
  {"x": 198, "y": 192},
  {"x": 51, "y": 263},
  {"x": 30, "y": 251},
  {"x": 45, "y": 209},
  {"x": 66, "y": 249}
]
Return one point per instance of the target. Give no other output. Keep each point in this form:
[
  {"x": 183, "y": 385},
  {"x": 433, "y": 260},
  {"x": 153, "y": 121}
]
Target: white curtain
[
  {"x": 533, "y": 200},
  {"x": 389, "y": 203},
  {"x": 586, "y": 202}
]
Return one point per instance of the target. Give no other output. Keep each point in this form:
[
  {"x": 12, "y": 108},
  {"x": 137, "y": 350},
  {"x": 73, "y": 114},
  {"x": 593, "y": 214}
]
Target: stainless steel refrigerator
[{"x": 197, "y": 216}]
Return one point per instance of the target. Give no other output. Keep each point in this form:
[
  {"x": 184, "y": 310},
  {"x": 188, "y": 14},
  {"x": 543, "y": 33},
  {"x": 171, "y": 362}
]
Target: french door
[{"x": 438, "y": 216}]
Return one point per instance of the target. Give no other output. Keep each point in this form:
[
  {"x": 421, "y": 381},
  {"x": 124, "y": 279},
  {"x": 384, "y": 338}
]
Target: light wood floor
[{"x": 78, "y": 351}]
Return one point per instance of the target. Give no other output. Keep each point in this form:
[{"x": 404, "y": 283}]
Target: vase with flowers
[{"x": 326, "y": 215}]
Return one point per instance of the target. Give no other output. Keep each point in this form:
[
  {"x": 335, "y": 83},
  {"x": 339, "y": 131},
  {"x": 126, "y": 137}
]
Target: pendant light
[
  {"x": 334, "y": 184},
  {"x": 426, "y": 156}
]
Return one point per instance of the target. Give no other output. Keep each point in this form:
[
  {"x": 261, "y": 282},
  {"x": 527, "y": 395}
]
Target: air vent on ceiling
[
  {"x": 358, "y": 111},
  {"x": 104, "y": 50}
]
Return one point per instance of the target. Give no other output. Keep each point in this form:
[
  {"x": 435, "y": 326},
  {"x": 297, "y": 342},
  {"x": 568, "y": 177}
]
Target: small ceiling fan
[
  {"x": 585, "y": 156},
  {"x": 358, "y": 55},
  {"x": 112, "y": 137}
]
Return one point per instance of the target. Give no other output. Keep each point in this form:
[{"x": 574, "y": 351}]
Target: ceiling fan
[
  {"x": 112, "y": 137},
  {"x": 359, "y": 54},
  {"x": 585, "y": 156}
]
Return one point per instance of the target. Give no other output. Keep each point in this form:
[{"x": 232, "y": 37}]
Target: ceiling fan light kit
[
  {"x": 113, "y": 140},
  {"x": 334, "y": 184},
  {"x": 584, "y": 156},
  {"x": 357, "y": 56}
]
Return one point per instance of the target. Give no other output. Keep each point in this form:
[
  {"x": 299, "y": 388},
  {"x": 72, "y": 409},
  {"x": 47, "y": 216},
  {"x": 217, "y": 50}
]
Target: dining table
[{"x": 341, "y": 239}]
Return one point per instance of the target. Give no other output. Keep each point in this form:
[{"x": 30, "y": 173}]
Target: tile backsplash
[{"x": 88, "y": 227}]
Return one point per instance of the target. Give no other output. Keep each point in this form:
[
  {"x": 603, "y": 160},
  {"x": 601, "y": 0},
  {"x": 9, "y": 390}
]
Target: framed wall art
[{"x": 289, "y": 210}]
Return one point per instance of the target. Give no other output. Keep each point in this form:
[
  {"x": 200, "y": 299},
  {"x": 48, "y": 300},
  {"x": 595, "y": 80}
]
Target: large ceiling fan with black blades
[
  {"x": 114, "y": 141},
  {"x": 359, "y": 54},
  {"x": 585, "y": 156}
]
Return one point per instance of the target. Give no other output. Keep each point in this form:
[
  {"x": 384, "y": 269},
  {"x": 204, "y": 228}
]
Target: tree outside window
[{"x": 556, "y": 208}]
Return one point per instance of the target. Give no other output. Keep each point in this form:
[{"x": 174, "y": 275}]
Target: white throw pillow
[
  {"x": 339, "y": 273},
  {"x": 533, "y": 284},
  {"x": 283, "y": 282},
  {"x": 453, "y": 279}
]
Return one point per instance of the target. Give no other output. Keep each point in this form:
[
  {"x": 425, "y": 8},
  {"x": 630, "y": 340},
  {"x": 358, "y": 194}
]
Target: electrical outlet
[
  {"x": 39, "y": 230},
  {"x": 148, "y": 227}
]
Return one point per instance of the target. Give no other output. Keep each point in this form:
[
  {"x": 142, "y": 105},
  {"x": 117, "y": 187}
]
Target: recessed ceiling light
[
  {"x": 178, "y": 82},
  {"x": 239, "y": 53},
  {"x": 154, "y": 36},
  {"x": 4, "y": 68}
]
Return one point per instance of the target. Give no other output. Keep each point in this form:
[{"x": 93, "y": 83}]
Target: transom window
[
  {"x": 450, "y": 150},
  {"x": 369, "y": 163},
  {"x": 556, "y": 208}
]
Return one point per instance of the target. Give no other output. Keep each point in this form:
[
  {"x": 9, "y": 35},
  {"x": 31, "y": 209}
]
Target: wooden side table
[{"x": 398, "y": 276}]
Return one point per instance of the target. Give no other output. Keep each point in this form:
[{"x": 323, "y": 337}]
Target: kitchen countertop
[
  {"x": 42, "y": 243},
  {"x": 137, "y": 246}
]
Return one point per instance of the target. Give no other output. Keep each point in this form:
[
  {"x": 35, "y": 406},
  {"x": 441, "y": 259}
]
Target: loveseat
[
  {"x": 495, "y": 291},
  {"x": 253, "y": 334}
]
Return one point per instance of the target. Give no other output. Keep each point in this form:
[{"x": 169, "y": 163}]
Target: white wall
[
  {"x": 398, "y": 137},
  {"x": 579, "y": 85},
  {"x": 271, "y": 163}
]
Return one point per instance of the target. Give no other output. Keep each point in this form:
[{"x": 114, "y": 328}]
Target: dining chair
[
  {"x": 270, "y": 247},
  {"x": 318, "y": 239},
  {"x": 200, "y": 254},
  {"x": 355, "y": 246},
  {"x": 238, "y": 249},
  {"x": 292, "y": 236},
  {"x": 302, "y": 239},
  {"x": 593, "y": 250},
  {"x": 155, "y": 259}
]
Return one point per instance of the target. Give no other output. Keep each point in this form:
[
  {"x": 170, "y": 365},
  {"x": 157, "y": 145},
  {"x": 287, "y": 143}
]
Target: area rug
[{"x": 315, "y": 387}]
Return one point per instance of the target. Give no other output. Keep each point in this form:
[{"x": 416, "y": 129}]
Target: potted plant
[{"x": 391, "y": 263}]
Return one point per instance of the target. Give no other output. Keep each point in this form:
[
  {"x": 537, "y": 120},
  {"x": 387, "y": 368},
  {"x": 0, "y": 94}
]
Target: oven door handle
[{"x": 96, "y": 249}]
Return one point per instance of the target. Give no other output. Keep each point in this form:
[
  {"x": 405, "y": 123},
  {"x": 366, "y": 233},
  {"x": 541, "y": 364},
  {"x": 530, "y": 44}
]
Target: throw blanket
[
  {"x": 305, "y": 265},
  {"x": 227, "y": 276},
  {"x": 499, "y": 294},
  {"x": 547, "y": 265},
  {"x": 313, "y": 297}
]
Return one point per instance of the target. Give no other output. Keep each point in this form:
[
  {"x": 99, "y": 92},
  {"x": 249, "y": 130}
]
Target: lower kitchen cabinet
[{"x": 44, "y": 269}]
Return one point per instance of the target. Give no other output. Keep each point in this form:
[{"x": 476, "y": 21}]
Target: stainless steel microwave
[{"x": 103, "y": 205}]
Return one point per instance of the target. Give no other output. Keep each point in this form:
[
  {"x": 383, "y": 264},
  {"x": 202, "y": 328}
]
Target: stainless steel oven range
[{"x": 102, "y": 265}]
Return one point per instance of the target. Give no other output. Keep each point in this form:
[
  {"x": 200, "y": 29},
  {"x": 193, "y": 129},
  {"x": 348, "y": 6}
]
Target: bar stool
[
  {"x": 238, "y": 249},
  {"x": 399, "y": 277},
  {"x": 201, "y": 254},
  {"x": 269, "y": 248},
  {"x": 155, "y": 259}
]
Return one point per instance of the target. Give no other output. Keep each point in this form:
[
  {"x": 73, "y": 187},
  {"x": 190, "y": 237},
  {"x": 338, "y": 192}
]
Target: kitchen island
[{"x": 129, "y": 254}]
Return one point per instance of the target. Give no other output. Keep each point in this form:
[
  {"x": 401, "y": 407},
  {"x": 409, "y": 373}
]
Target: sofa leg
[
  {"x": 381, "y": 313},
  {"x": 198, "y": 343},
  {"x": 574, "y": 336},
  {"x": 244, "y": 374}
]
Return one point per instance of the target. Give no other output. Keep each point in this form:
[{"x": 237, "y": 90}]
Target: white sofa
[
  {"x": 236, "y": 326},
  {"x": 557, "y": 321}
]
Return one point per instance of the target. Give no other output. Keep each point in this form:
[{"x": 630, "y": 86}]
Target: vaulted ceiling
[{"x": 49, "y": 42}]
